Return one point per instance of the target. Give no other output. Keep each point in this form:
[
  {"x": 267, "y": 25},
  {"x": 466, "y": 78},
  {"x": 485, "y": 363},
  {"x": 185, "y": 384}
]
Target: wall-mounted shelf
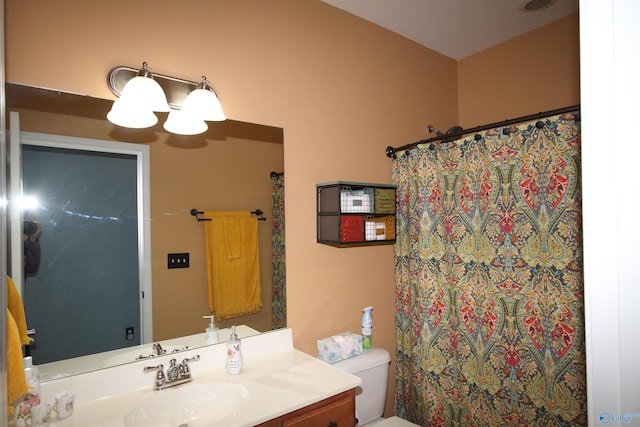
[{"x": 356, "y": 214}]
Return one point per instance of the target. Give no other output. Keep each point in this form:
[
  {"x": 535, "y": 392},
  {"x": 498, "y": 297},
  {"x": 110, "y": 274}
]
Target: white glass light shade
[
  {"x": 130, "y": 115},
  {"x": 184, "y": 123},
  {"x": 205, "y": 105},
  {"x": 145, "y": 93}
]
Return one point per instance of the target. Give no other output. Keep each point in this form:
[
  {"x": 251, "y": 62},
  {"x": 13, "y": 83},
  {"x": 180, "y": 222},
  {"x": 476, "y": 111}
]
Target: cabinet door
[
  {"x": 336, "y": 411},
  {"x": 336, "y": 414}
]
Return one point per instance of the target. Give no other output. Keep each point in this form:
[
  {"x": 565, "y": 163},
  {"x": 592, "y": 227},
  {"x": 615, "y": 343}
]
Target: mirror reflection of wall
[{"x": 227, "y": 168}]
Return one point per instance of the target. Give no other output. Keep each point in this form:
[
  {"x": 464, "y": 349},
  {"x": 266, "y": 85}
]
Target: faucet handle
[
  {"x": 187, "y": 360},
  {"x": 157, "y": 383},
  {"x": 158, "y": 368},
  {"x": 185, "y": 363}
]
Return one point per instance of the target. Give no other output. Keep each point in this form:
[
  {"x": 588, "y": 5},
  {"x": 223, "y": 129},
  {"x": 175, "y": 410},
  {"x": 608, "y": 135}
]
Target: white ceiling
[{"x": 456, "y": 28}]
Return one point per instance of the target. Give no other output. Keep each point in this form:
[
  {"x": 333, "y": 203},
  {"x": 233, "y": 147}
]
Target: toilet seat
[{"x": 392, "y": 422}]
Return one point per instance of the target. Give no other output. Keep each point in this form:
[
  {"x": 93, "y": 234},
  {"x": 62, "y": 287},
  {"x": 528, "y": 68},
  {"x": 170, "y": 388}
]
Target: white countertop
[{"x": 278, "y": 378}]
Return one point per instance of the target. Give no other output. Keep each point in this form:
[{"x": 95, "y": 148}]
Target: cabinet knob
[{"x": 332, "y": 424}]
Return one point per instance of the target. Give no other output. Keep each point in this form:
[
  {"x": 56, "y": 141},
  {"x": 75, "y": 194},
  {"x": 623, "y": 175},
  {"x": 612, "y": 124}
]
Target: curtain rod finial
[{"x": 390, "y": 152}]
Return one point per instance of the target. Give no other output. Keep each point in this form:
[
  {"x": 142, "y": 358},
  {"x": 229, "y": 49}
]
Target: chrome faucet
[
  {"x": 158, "y": 350},
  {"x": 176, "y": 373}
]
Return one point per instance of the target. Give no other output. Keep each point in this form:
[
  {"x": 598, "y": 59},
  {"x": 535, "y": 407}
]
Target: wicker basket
[
  {"x": 389, "y": 225},
  {"x": 351, "y": 228},
  {"x": 385, "y": 201},
  {"x": 356, "y": 201}
]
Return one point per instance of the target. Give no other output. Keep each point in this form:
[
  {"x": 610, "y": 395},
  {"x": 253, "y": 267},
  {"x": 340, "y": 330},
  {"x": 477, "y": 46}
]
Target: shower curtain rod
[{"x": 391, "y": 151}]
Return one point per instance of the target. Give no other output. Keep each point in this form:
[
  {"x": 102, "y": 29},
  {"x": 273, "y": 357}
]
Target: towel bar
[{"x": 257, "y": 212}]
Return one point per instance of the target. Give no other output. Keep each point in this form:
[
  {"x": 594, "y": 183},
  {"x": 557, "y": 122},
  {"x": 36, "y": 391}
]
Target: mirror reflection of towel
[
  {"x": 232, "y": 264},
  {"x": 16, "y": 381},
  {"x": 16, "y": 308}
]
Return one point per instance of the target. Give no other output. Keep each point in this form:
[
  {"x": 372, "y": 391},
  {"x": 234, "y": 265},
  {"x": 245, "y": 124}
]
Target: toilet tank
[{"x": 373, "y": 367}]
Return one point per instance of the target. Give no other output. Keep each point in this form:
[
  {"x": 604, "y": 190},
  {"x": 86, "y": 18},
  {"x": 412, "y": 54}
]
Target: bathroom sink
[{"x": 189, "y": 405}]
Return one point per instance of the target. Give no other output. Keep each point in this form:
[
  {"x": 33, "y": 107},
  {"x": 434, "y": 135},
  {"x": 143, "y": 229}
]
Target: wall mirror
[{"x": 227, "y": 168}]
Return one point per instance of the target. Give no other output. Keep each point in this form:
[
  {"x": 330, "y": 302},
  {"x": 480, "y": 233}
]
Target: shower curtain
[
  {"x": 279, "y": 280},
  {"x": 489, "y": 285}
]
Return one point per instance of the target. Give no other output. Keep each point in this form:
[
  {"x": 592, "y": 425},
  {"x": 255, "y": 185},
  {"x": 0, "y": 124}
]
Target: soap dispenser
[
  {"x": 234, "y": 354},
  {"x": 211, "y": 333}
]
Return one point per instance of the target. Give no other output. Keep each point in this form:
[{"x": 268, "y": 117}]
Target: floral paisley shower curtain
[
  {"x": 278, "y": 279},
  {"x": 489, "y": 285}
]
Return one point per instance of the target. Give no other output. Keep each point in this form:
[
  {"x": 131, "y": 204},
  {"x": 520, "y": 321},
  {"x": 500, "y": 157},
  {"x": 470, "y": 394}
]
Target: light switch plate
[{"x": 180, "y": 260}]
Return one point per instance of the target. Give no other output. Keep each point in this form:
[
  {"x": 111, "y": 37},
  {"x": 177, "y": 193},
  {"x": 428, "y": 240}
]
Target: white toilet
[{"x": 373, "y": 368}]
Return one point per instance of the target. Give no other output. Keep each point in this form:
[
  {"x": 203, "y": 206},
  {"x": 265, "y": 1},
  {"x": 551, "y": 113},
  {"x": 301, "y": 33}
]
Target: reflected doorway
[{"x": 88, "y": 294}]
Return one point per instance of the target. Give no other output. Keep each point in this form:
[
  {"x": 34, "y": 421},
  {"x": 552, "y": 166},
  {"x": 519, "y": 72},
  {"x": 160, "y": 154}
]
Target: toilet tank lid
[{"x": 369, "y": 359}]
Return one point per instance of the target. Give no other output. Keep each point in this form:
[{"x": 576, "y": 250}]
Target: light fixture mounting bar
[{"x": 175, "y": 89}]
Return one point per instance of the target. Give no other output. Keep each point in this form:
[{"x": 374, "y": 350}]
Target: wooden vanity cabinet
[{"x": 335, "y": 411}]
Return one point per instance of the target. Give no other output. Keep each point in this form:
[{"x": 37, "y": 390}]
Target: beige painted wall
[
  {"x": 537, "y": 71},
  {"x": 342, "y": 89}
]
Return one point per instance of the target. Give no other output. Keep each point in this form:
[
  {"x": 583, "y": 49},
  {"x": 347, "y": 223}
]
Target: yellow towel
[
  {"x": 16, "y": 382},
  {"x": 14, "y": 303},
  {"x": 233, "y": 265}
]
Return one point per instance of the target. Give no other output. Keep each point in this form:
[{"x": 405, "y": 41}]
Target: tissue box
[{"x": 339, "y": 347}]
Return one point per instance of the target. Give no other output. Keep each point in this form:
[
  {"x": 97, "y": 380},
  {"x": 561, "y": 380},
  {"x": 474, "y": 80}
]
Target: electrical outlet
[
  {"x": 128, "y": 333},
  {"x": 178, "y": 260}
]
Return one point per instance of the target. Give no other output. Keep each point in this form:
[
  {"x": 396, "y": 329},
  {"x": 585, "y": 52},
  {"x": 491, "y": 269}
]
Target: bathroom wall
[
  {"x": 343, "y": 89},
  {"x": 537, "y": 71}
]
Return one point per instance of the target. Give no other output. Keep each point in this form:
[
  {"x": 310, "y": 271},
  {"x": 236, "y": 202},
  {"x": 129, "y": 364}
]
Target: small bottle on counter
[
  {"x": 234, "y": 353},
  {"x": 31, "y": 398}
]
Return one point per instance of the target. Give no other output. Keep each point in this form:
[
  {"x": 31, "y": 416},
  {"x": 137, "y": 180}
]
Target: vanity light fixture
[
  {"x": 190, "y": 104},
  {"x": 140, "y": 97}
]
